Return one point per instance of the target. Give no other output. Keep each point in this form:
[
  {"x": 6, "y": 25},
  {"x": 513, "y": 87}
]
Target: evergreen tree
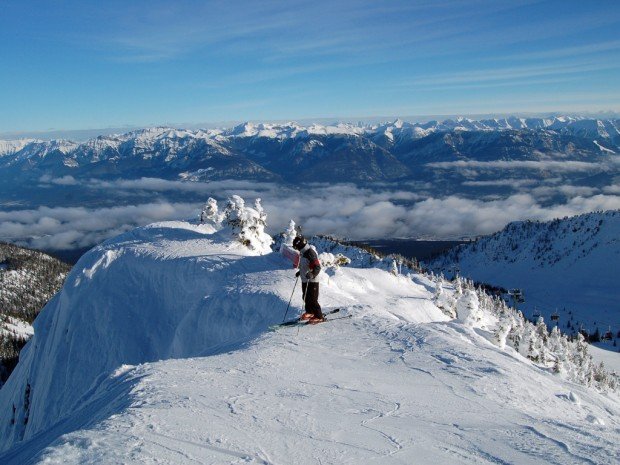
[
  {"x": 394, "y": 268},
  {"x": 247, "y": 224},
  {"x": 210, "y": 214},
  {"x": 290, "y": 233}
]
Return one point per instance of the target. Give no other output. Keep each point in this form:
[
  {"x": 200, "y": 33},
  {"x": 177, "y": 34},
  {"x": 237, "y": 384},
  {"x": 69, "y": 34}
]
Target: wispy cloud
[
  {"x": 563, "y": 52},
  {"x": 510, "y": 73},
  {"x": 553, "y": 166}
]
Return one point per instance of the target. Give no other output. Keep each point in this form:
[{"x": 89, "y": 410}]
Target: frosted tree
[
  {"x": 210, "y": 214},
  {"x": 458, "y": 286},
  {"x": 556, "y": 344},
  {"x": 468, "y": 308},
  {"x": 532, "y": 346},
  {"x": 247, "y": 224},
  {"x": 541, "y": 328},
  {"x": 330, "y": 261},
  {"x": 502, "y": 332},
  {"x": 438, "y": 290},
  {"x": 444, "y": 301},
  {"x": 290, "y": 233},
  {"x": 262, "y": 216},
  {"x": 394, "y": 268},
  {"x": 515, "y": 336},
  {"x": 555, "y": 340}
]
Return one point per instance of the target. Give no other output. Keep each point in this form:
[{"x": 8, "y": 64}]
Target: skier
[{"x": 309, "y": 269}]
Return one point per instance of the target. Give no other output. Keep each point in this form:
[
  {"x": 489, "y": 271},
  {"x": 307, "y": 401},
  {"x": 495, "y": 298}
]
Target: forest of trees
[{"x": 28, "y": 280}]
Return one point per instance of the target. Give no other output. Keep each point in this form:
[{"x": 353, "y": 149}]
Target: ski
[
  {"x": 300, "y": 322},
  {"x": 327, "y": 320}
]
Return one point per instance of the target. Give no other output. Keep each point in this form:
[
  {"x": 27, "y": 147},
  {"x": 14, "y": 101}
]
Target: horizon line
[{"x": 88, "y": 133}]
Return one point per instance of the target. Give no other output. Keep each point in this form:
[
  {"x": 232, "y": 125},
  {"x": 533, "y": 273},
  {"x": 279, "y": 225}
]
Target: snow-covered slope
[
  {"x": 156, "y": 350},
  {"x": 9, "y": 147},
  {"x": 569, "y": 265}
]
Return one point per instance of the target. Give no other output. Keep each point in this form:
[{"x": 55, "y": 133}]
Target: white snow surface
[
  {"x": 14, "y": 326},
  {"x": 156, "y": 351},
  {"x": 8, "y": 147}
]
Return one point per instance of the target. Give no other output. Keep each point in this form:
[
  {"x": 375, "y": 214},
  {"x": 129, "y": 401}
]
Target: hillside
[
  {"x": 568, "y": 265},
  {"x": 185, "y": 370},
  {"x": 28, "y": 280}
]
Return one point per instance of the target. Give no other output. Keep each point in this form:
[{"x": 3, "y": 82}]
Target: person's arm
[{"x": 314, "y": 263}]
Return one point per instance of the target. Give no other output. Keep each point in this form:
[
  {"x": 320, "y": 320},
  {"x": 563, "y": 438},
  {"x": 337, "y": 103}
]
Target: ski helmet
[{"x": 299, "y": 242}]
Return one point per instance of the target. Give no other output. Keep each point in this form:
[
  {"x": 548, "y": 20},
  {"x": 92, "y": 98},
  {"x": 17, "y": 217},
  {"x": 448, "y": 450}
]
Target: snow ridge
[{"x": 177, "y": 313}]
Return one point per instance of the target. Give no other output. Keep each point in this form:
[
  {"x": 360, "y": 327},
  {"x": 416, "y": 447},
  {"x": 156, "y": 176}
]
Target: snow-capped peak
[{"x": 9, "y": 147}]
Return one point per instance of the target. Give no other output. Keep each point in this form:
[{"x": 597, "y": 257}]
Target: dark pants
[{"x": 310, "y": 292}]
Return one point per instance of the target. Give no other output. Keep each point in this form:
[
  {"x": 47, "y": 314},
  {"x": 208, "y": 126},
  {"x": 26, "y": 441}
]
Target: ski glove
[
  {"x": 310, "y": 275},
  {"x": 297, "y": 274}
]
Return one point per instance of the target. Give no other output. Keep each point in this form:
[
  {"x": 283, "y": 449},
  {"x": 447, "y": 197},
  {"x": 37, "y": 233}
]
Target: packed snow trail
[{"x": 156, "y": 351}]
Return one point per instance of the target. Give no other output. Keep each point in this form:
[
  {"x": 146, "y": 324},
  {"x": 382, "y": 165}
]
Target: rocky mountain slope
[{"x": 28, "y": 280}]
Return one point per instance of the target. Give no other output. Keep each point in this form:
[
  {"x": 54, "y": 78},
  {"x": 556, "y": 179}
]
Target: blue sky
[{"x": 85, "y": 64}]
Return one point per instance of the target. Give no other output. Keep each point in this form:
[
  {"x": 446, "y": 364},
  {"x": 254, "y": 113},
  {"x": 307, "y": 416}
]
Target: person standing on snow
[{"x": 309, "y": 269}]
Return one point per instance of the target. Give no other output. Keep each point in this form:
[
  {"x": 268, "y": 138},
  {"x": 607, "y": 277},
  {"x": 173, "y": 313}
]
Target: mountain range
[{"x": 396, "y": 151}]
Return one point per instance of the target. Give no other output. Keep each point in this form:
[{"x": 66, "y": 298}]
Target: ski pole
[{"x": 289, "y": 300}]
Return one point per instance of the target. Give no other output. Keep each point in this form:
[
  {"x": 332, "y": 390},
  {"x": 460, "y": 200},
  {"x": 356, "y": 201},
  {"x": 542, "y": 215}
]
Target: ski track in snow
[{"x": 395, "y": 384}]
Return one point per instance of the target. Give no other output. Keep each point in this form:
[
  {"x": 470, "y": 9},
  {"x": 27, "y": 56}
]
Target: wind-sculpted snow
[{"x": 156, "y": 350}]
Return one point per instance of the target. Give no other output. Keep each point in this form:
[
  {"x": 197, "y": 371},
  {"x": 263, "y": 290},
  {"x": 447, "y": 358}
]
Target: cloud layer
[{"x": 343, "y": 210}]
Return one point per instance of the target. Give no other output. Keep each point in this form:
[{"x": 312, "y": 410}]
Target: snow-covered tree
[
  {"x": 248, "y": 224},
  {"x": 458, "y": 286},
  {"x": 262, "y": 216},
  {"x": 329, "y": 260},
  {"x": 502, "y": 332},
  {"x": 210, "y": 214},
  {"x": 290, "y": 233},
  {"x": 468, "y": 308},
  {"x": 443, "y": 300}
]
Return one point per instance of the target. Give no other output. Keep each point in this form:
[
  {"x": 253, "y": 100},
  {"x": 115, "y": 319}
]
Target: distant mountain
[
  {"x": 569, "y": 266},
  {"x": 293, "y": 153}
]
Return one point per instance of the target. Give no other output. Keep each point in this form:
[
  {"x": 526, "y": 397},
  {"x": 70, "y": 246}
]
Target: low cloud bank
[
  {"x": 448, "y": 217},
  {"x": 343, "y": 210},
  {"x": 66, "y": 228},
  {"x": 568, "y": 166}
]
